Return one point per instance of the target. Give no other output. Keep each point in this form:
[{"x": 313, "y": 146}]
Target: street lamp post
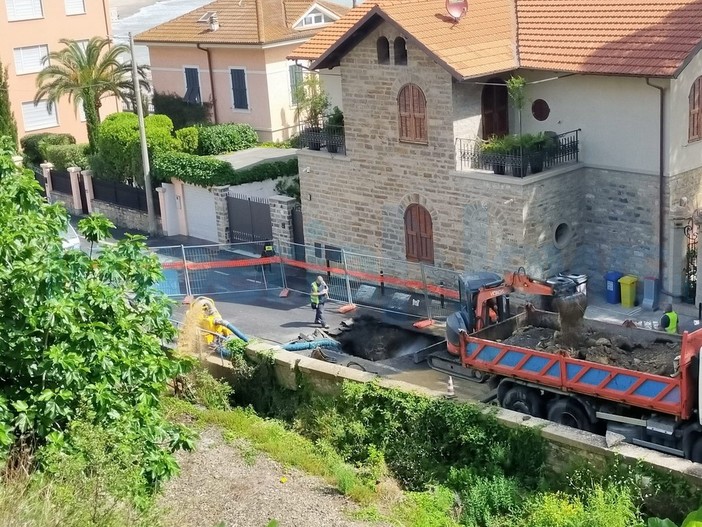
[{"x": 153, "y": 228}]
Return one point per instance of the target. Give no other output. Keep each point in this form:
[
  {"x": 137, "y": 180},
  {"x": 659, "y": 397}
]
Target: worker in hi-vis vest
[
  {"x": 669, "y": 320},
  {"x": 318, "y": 296}
]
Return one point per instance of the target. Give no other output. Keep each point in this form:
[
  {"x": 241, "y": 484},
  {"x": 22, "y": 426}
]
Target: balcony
[
  {"x": 518, "y": 160},
  {"x": 329, "y": 137}
]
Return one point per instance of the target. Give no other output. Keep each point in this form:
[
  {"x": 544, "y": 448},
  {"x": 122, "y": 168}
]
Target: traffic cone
[{"x": 449, "y": 390}]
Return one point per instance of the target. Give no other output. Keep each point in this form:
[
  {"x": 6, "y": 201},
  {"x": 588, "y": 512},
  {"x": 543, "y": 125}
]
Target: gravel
[{"x": 238, "y": 486}]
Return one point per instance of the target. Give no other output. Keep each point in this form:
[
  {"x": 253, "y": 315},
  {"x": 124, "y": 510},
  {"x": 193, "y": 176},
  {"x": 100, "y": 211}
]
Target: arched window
[
  {"x": 694, "y": 132},
  {"x": 383, "y": 50},
  {"x": 400, "y": 48},
  {"x": 419, "y": 234},
  {"x": 412, "y": 108}
]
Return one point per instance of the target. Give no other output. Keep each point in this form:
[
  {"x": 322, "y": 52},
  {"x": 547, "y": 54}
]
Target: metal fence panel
[
  {"x": 61, "y": 182},
  {"x": 175, "y": 276}
]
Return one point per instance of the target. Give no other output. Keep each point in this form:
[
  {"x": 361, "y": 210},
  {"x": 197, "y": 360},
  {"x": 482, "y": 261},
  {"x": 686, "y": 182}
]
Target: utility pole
[{"x": 153, "y": 227}]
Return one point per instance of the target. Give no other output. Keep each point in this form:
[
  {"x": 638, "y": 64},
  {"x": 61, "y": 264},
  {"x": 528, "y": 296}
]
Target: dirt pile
[{"x": 651, "y": 357}]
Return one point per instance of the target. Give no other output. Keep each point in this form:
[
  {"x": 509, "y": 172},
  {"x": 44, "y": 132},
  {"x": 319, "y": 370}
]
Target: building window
[
  {"x": 39, "y": 116},
  {"x": 74, "y": 7},
  {"x": 400, "y": 49},
  {"x": 694, "y": 132},
  {"x": 239, "y": 93},
  {"x": 314, "y": 18},
  {"x": 383, "y": 50},
  {"x": 192, "y": 86},
  {"x": 23, "y": 9},
  {"x": 30, "y": 59},
  {"x": 83, "y": 44},
  {"x": 540, "y": 110},
  {"x": 419, "y": 234},
  {"x": 295, "y": 78},
  {"x": 412, "y": 106}
]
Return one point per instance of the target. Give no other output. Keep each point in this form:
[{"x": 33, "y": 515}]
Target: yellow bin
[{"x": 628, "y": 285}]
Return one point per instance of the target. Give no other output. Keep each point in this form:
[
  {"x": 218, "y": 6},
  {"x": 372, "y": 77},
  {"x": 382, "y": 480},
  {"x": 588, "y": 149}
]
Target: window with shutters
[
  {"x": 30, "y": 59},
  {"x": 383, "y": 50},
  {"x": 400, "y": 49},
  {"x": 694, "y": 132},
  {"x": 419, "y": 234},
  {"x": 74, "y": 7},
  {"x": 240, "y": 97},
  {"x": 412, "y": 110},
  {"x": 37, "y": 117},
  {"x": 23, "y": 9},
  {"x": 295, "y": 77},
  {"x": 192, "y": 86}
]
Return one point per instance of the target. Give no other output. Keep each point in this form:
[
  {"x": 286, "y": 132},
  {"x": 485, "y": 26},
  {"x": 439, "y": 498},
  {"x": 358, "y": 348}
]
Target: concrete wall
[
  {"x": 67, "y": 201},
  {"x": 54, "y": 25},
  {"x": 566, "y": 446}
]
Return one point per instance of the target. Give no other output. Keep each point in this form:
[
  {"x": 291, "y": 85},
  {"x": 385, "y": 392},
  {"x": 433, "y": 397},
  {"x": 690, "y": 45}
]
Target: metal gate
[
  {"x": 690, "y": 271},
  {"x": 298, "y": 234},
  {"x": 83, "y": 194},
  {"x": 249, "y": 219}
]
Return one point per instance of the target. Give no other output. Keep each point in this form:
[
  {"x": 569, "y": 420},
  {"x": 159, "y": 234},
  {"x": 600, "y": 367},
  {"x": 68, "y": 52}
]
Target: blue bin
[{"x": 612, "y": 290}]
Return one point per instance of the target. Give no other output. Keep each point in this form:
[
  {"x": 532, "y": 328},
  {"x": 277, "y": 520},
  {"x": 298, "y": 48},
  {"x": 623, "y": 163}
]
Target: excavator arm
[{"x": 521, "y": 283}]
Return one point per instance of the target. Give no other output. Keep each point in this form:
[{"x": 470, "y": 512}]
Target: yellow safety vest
[
  {"x": 314, "y": 297},
  {"x": 672, "y": 322}
]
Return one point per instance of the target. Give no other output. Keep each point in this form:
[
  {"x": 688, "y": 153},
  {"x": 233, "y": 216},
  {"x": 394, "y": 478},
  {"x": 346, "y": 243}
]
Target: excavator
[{"x": 484, "y": 299}]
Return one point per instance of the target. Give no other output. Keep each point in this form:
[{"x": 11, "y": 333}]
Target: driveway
[{"x": 254, "y": 156}]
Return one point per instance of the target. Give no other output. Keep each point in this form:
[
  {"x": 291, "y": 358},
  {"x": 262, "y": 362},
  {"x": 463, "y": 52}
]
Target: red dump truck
[{"x": 654, "y": 402}]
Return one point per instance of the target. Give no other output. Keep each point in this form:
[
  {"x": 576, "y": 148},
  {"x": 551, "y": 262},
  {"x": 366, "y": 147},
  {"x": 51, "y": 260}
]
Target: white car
[{"x": 71, "y": 239}]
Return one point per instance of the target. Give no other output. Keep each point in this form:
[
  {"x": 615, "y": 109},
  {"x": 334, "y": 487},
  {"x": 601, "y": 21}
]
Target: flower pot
[
  {"x": 313, "y": 135},
  {"x": 499, "y": 168},
  {"x": 536, "y": 159}
]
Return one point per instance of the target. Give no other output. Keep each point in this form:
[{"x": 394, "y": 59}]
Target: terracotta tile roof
[
  {"x": 623, "y": 37},
  {"x": 245, "y": 22},
  {"x": 481, "y": 43}
]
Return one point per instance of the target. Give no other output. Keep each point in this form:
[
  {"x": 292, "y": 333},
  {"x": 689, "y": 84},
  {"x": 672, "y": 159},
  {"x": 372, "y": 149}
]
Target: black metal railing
[
  {"x": 556, "y": 150},
  {"x": 124, "y": 195},
  {"x": 325, "y": 135}
]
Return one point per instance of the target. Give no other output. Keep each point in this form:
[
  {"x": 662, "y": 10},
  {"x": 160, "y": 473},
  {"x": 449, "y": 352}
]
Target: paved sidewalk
[{"x": 257, "y": 155}]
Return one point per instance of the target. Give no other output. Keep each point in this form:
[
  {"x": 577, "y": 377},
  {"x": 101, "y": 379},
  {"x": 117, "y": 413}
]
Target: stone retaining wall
[
  {"x": 123, "y": 216},
  {"x": 566, "y": 445}
]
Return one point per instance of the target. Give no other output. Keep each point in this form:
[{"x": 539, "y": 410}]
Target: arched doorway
[
  {"x": 419, "y": 234},
  {"x": 494, "y": 108}
]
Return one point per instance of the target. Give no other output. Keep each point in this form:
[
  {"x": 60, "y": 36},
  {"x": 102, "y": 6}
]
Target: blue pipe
[
  {"x": 235, "y": 330},
  {"x": 321, "y": 343}
]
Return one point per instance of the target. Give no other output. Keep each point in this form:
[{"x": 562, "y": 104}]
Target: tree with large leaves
[
  {"x": 87, "y": 73},
  {"x": 8, "y": 126}
]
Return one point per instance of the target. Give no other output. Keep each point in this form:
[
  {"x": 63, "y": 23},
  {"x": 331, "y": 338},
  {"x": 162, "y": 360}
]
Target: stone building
[{"x": 615, "y": 85}]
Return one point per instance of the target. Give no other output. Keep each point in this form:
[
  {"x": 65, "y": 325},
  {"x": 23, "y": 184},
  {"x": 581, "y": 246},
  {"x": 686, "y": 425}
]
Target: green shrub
[
  {"x": 31, "y": 144},
  {"x": 289, "y": 186},
  {"x": 188, "y": 139},
  {"x": 118, "y": 148},
  {"x": 485, "y": 499},
  {"x": 181, "y": 113},
  {"x": 64, "y": 156},
  {"x": 198, "y": 170},
  {"x": 221, "y": 138},
  {"x": 209, "y": 171}
]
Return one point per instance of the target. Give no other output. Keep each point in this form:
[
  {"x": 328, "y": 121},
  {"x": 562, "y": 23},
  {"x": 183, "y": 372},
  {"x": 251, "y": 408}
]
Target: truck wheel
[
  {"x": 568, "y": 412},
  {"x": 524, "y": 400},
  {"x": 696, "y": 452}
]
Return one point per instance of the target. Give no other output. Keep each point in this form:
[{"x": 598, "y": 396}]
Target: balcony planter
[
  {"x": 313, "y": 137},
  {"x": 334, "y": 130},
  {"x": 495, "y": 151}
]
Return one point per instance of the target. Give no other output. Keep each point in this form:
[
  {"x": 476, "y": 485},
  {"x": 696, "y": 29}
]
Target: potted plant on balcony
[
  {"x": 312, "y": 104},
  {"x": 495, "y": 151},
  {"x": 335, "y": 130},
  {"x": 540, "y": 146}
]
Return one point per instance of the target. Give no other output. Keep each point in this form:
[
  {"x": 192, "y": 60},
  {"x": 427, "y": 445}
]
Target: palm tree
[{"x": 87, "y": 73}]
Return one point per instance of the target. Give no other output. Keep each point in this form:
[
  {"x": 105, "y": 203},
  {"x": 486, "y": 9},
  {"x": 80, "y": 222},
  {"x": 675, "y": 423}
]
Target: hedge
[
  {"x": 31, "y": 144},
  {"x": 188, "y": 139},
  {"x": 208, "y": 171},
  {"x": 64, "y": 156},
  {"x": 182, "y": 113},
  {"x": 221, "y": 138}
]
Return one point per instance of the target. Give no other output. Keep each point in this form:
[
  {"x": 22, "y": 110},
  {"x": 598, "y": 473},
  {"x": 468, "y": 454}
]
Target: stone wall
[
  {"x": 123, "y": 216},
  {"x": 67, "y": 200},
  {"x": 566, "y": 446}
]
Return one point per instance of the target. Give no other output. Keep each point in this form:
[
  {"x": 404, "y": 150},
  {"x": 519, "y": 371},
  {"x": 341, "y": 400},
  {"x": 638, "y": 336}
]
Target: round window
[
  {"x": 562, "y": 235},
  {"x": 540, "y": 110}
]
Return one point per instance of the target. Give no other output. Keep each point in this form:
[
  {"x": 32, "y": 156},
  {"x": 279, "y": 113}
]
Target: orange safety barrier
[{"x": 359, "y": 275}]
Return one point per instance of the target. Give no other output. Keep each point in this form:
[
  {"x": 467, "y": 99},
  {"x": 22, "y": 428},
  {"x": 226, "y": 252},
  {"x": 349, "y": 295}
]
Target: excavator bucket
[{"x": 570, "y": 307}]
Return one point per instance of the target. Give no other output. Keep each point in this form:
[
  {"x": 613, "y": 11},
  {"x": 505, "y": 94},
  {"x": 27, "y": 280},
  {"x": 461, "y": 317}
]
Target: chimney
[{"x": 214, "y": 22}]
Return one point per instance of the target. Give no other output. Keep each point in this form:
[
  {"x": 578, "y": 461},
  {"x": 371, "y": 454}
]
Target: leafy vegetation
[
  {"x": 86, "y": 74},
  {"x": 188, "y": 139},
  {"x": 8, "y": 125},
  {"x": 64, "y": 156},
  {"x": 222, "y": 138},
  {"x": 181, "y": 112},
  {"x": 208, "y": 171},
  {"x": 34, "y": 145}
]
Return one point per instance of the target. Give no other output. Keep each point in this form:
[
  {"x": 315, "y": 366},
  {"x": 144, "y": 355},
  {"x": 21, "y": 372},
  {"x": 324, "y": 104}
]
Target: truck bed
[{"x": 487, "y": 351}]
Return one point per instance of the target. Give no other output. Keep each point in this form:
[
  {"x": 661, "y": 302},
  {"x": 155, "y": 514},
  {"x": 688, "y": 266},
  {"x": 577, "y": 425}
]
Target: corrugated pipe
[
  {"x": 235, "y": 330},
  {"x": 321, "y": 343}
]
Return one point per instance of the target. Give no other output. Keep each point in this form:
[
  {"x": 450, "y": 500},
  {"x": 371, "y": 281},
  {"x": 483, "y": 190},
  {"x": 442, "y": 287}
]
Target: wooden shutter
[
  {"x": 241, "y": 101},
  {"x": 192, "y": 86},
  {"x": 412, "y": 110},
  {"x": 419, "y": 235},
  {"x": 695, "y": 126}
]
